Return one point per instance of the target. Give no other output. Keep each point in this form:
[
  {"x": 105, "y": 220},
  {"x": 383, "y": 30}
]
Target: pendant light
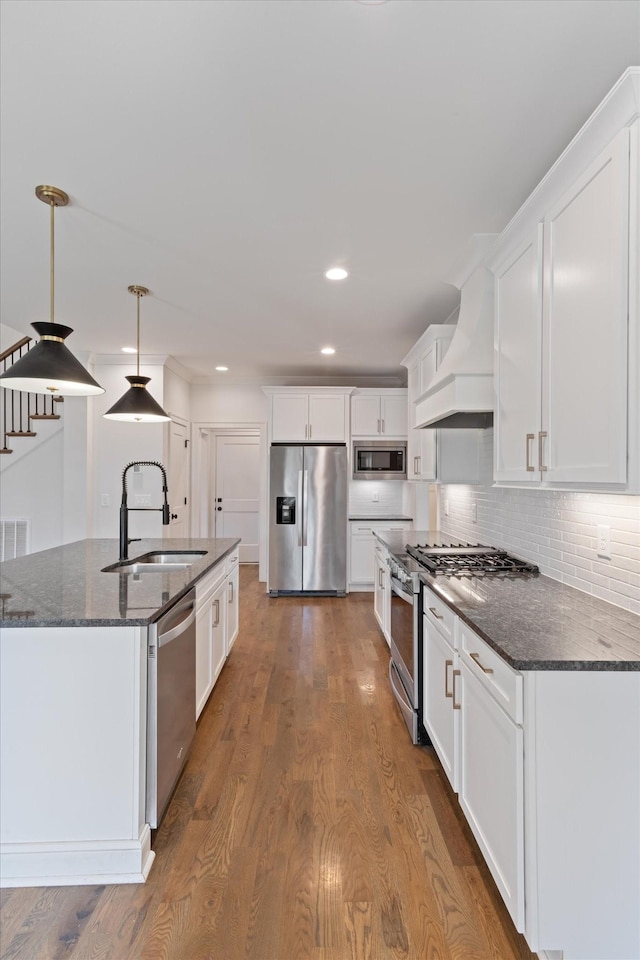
[
  {"x": 137, "y": 405},
  {"x": 50, "y": 367}
]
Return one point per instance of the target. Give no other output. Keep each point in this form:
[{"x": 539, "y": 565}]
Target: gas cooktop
[{"x": 467, "y": 558}]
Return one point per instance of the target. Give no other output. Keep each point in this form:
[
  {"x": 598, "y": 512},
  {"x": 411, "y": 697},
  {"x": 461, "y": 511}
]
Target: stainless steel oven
[{"x": 405, "y": 666}]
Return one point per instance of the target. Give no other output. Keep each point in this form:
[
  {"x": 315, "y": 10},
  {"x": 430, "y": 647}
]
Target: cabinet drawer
[
  {"x": 439, "y": 614},
  {"x": 496, "y": 676},
  {"x": 209, "y": 583}
]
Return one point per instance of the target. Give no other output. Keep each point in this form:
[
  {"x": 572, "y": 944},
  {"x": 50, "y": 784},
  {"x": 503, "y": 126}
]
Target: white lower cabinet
[
  {"x": 441, "y": 716},
  {"x": 362, "y": 544},
  {"x": 491, "y": 787},
  {"x": 216, "y": 625},
  {"x": 381, "y": 588},
  {"x": 231, "y": 620},
  {"x": 546, "y": 765},
  {"x": 472, "y": 711}
]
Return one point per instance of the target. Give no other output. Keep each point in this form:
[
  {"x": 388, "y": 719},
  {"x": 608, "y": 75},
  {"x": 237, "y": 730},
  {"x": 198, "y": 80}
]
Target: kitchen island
[
  {"x": 73, "y": 701},
  {"x": 531, "y": 699}
]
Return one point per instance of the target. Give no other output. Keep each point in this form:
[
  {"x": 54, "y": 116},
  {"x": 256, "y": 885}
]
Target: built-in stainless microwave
[{"x": 379, "y": 460}]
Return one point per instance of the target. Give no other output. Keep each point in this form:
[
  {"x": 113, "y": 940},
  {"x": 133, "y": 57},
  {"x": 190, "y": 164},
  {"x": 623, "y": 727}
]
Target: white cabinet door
[
  {"x": 518, "y": 305},
  {"x": 381, "y": 595},
  {"x": 361, "y": 565},
  {"x": 327, "y": 418},
  {"x": 393, "y": 416},
  {"x": 290, "y": 418},
  {"x": 586, "y": 258},
  {"x": 204, "y": 670},
  {"x": 439, "y": 716},
  {"x": 232, "y": 605},
  {"x": 365, "y": 416},
  {"x": 210, "y": 644},
  {"x": 413, "y": 436},
  {"x": 491, "y": 788}
]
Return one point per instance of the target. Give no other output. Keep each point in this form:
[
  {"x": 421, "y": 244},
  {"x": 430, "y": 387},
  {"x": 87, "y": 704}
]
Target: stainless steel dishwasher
[{"x": 171, "y": 714}]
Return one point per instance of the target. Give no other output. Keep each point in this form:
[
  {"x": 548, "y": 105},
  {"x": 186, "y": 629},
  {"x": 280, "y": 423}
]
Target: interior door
[
  {"x": 237, "y": 492},
  {"x": 178, "y": 479}
]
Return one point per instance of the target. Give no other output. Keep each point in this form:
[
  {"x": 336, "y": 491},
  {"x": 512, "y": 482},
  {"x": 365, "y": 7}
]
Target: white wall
[
  {"x": 32, "y": 489},
  {"x": 232, "y": 403},
  {"x": 177, "y": 395},
  {"x": 555, "y": 530}
]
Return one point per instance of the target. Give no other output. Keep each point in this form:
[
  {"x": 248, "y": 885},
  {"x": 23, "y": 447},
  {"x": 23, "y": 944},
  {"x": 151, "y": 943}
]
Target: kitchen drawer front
[
  {"x": 496, "y": 676},
  {"x": 363, "y": 527},
  {"x": 439, "y": 614},
  {"x": 209, "y": 583},
  {"x": 232, "y": 561}
]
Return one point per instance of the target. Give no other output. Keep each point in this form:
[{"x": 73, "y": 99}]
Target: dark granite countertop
[
  {"x": 65, "y": 586},
  {"x": 532, "y": 621},
  {"x": 371, "y": 518}
]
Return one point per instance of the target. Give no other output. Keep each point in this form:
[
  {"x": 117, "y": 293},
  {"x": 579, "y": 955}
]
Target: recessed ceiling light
[
  {"x": 222, "y": 369},
  {"x": 129, "y": 350},
  {"x": 336, "y": 273},
  {"x": 328, "y": 350}
]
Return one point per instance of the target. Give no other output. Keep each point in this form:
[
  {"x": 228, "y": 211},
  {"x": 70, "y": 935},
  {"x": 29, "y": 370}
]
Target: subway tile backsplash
[
  {"x": 556, "y": 530},
  {"x": 389, "y": 493}
]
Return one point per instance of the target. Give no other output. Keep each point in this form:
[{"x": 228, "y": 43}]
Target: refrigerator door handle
[
  {"x": 299, "y": 509},
  {"x": 304, "y": 507}
]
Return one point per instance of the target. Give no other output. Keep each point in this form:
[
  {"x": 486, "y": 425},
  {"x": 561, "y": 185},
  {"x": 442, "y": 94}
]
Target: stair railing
[{"x": 19, "y": 408}]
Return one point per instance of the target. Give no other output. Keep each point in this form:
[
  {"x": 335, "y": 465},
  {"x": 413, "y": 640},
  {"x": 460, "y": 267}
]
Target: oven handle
[
  {"x": 398, "y": 688},
  {"x": 400, "y": 591}
]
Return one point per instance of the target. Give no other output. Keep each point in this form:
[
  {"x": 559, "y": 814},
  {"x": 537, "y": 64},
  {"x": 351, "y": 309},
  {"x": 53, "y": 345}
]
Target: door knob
[
  {"x": 219, "y": 508},
  {"x": 174, "y": 516}
]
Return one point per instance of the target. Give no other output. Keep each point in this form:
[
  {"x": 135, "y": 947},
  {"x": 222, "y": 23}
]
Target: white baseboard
[{"x": 82, "y": 862}]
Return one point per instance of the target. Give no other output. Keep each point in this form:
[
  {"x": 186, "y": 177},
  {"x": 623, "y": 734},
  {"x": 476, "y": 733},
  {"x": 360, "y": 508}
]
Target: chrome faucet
[{"x": 124, "y": 509}]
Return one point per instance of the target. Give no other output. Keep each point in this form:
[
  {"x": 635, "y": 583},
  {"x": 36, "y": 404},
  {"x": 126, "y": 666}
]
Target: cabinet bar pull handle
[
  {"x": 456, "y": 706},
  {"x": 217, "y": 606},
  {"x": 437, "y": 615},
  {"x": 447, "y": 692},
  {"x": 231, "y": 591},
  {"x": 380, "y": 578},
  {"x": 382, "y": 425},
  {"x": 541, "y": 437},
  {"x": 379, "y": 430},
  {"x": 476, "y": 657},
  {"x": 415, "y": 464},
  {"x": 305, "y": 431},
  {"x": 310, "y": 429},
  {"x": 530, "y": 467},
  {"x": 365, "y": 529}
]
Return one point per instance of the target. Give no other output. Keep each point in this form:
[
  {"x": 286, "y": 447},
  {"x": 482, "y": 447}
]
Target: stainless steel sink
[{"x": 157, "y": 562}]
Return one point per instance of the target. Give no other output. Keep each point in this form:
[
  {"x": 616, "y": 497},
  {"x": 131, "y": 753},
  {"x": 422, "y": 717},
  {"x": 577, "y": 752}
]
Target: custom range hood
[{"x": 461, "y": 392}]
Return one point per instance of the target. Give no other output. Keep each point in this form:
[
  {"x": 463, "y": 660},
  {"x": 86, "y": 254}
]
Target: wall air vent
[{"x": 14, "y": 538}]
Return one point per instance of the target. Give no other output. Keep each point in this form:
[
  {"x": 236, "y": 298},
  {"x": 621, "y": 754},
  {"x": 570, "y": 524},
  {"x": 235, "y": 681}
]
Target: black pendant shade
[
  {"x": 137, "y": 404},
  {"x": 50, "y": 367}
]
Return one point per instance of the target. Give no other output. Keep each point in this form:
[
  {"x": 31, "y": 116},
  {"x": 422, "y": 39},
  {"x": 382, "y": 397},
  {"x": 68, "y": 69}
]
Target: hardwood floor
[{"x": 306, "y": 824}]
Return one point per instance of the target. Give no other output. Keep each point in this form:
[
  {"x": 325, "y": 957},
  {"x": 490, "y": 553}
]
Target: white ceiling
[{"x": 224, "y": 153}]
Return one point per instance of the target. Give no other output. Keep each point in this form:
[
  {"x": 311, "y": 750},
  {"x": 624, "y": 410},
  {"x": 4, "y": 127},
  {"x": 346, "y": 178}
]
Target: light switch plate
[
  {"x": 604, "y": 541},
  {"x": 375, "y": 496}
]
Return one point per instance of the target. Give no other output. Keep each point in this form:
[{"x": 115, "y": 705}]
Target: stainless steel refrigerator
[{"x": 308, "y": 519}]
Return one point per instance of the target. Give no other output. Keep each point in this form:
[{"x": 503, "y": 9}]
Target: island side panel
[
  {"x": 582, "y": 813},
  {"x": 72, "y": 741}
]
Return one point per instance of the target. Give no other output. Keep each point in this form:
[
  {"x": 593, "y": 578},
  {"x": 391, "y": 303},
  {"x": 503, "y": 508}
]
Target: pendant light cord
[
  {"x": 138, "y": 334},
  {"x": 52, "y": 205}
]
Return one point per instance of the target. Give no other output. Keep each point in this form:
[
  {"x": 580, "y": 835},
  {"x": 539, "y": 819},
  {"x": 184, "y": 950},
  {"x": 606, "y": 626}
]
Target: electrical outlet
[
  {"x": 375, "y": 496},
  {"x": 106, "y": 500},
  {"x": 604, "y": 541},
  {"x": 474, "y": 512},
  {"x": 446, "y": 508}
]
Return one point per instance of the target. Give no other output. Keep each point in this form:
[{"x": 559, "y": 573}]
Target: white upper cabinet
[
  {"x": 567, "y": 277},
  {"x": 584, "y": 325},
  {"x": 379, "y": 413},
  {"x": 447, "y": 456},
  {"x": 309, "y": 415},
  {"x": 518, "y": 361}
]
